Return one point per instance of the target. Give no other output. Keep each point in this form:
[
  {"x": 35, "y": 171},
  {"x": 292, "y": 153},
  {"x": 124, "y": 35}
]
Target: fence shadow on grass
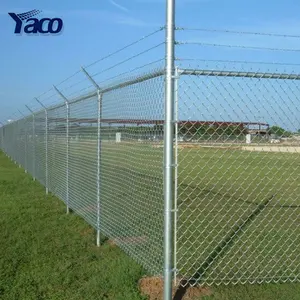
[{"x": 223, "y": 246}]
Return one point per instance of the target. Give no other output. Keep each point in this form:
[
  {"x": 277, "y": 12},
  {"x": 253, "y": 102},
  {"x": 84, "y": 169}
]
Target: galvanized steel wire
[{"x": 230, "y": 205}]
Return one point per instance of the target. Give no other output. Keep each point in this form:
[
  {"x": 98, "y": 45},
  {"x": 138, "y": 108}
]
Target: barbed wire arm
[
  {"x": 61, "y": 94},
  {"x": 90, "y": 78}
]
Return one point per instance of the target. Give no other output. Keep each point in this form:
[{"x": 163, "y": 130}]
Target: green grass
[
  {"x": 46, "y": 254},
  {"x": 286, "y": 291},
  {"x": 51, "y": 255},
  {"x": 218, "y": 190},
  {"x": 221, "y": 189}
]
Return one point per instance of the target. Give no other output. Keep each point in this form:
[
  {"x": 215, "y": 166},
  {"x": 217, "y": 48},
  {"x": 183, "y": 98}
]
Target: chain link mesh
[
  {"x": 83, "y": 159},
  {"x": 40, "y": 147},
  {"x": 237, "y": 156},
  {"x": 238, "y": 178},
  {"x": 57, "y": 152},
  {"x": 102, "y": 153},
  {"x": 131, "y": 170}
]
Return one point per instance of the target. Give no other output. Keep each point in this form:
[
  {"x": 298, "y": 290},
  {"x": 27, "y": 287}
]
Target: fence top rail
[
  {"x": 258, "y": 75},
  {"x": 135, "y": 80},
  {"x": 123, "y": 84}
]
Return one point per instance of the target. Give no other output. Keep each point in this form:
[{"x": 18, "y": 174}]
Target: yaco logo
[{"x": 34, "y": 25}]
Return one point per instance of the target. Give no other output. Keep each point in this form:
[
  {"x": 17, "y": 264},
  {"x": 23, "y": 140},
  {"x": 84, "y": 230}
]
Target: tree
[{"x": 277, "y": 130}]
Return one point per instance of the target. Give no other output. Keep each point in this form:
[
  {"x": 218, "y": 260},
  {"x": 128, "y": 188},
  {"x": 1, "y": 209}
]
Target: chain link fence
[
  {"x": 234, "y": 179},
  {"x": 237, "y": 191},
  {"x": 100, "y": 155}
]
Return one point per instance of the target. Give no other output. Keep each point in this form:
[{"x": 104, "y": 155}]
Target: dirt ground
[
  {"x": 259, "y": 148},
  {"x": 153, "y": 288},
  {"x": 286, "y": 149}
]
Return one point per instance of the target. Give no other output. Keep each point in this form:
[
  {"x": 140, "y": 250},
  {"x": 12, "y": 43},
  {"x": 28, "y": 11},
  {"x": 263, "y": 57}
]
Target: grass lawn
[
  {"x": 46, "y": 254},
  {"x": 226, "y": 232}
]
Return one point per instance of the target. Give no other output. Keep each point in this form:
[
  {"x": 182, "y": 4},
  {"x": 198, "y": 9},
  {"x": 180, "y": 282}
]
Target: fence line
[
  {"x": 194, "y": 172},
  {"x": 237, "y": 191},
  {"x": 70, "y": 137}
]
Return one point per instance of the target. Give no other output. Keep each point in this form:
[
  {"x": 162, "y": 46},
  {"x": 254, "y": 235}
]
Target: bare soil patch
[
  {"x": 282, "y": 149},
  {"x": 153, "y": 288},
  {"x": 203, "y": 146},
  {"x": 257, "y": 148}
]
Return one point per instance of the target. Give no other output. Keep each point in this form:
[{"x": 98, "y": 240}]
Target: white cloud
[{"x": 123, "y": 8}]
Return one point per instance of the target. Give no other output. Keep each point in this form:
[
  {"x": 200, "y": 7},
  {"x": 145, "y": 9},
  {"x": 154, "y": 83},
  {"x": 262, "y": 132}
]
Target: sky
[{"x": 30, "y": 65}]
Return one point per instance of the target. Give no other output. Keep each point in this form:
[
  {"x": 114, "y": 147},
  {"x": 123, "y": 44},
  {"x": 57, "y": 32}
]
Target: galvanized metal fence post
[
  {"x": 68, "y": 153},
  {"x": 19, "y": 141},
  {"x": 47, "y": 157},
  {"x": 26, "y": 150},
  {"x": 33, "y": 142},
  {"x": 99, "y": 166},
  {"x": 46, "y": 146},
  {"x": 25, "y": 142},
  {"x": 168, "y": 149},
  {"x": 99, "y": 118},
  {"x": 14, "y": 142},
  {"x": 67, "y": 144},
  {"x": 176, "y": 174},
  {"x": 1, "y": 137},
  {"x": 4, "y": 139}
]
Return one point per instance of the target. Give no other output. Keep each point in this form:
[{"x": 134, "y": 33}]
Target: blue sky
[{"x": 92, "y": 29}]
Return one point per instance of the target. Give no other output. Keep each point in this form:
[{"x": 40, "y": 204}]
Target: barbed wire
[
  {"x": 236, "y": 61},
  {"x": 125, "y": 47},
  {"x": 44, "y": 93},
  {"x": 74, "y": 84},
  {"x": 128, "y": 59},
  {"x": 53, "y": 103},
  {"x": 81, "y": 90},
  {"x": 239, "y": 32},
  {"x": 236, "y": 46},
  {"x": 132, "y": 70},
  {"x": 108, "y": 56},
  {"x": 109, "y": 68},
  {"x": 68, "y": 78},
  {"x": 97, "y": 61}
]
